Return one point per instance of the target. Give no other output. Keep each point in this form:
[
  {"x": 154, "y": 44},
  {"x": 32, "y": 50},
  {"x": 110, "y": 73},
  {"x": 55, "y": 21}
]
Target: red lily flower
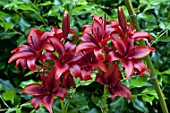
[
  {"x": 66, "y": 60},
  {"x": 66, "y": 32},
  {"x": 95, "y": 37},
  {"x": 31, "y": 51},
  {"x": 44, "y": 93},
  {"x": 112, "y": 78},
  {"x": 129, "y": 55},
  {"x": 126, "y": 51}
]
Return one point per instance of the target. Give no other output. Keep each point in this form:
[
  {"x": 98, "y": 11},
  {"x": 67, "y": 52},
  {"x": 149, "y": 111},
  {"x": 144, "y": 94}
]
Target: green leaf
[
  {"x": 10, "y": 110},
  {"x": 6, "y": 25},
  {"x": 140, "y": 105},
  {"x": 27, "y": 105},
  {"x": 7, "y": 35},
  {"x": 46, "y": 3},
  {"x": 119, "y": 105},
  {"x": 6, "y": 84},
  {"x": 21, "y": 40},
  {"x": 147, "y": 98},
  {"x": 79, "y": 82},
  {"x": 138, "y": 81},
  {"x": 147, "y": 17},
  {"x": 24, "y": 25},
  {"x": 80, "y": 101},
  {"x": 2, "y": 65},
  {"x": 25, "y": 8},
  {"x": 25, "y": 83},
  {"x": 18, "y": 110},
  {"x": 163, "y": 39},
  {"x": 150, "y": 91},
  {"x": 8, "y": 95}
]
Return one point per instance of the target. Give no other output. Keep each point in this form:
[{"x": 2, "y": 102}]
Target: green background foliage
[{"x": 18, "y": 16}]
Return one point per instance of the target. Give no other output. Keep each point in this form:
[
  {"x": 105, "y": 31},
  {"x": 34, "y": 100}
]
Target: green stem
[
  {"x": 62, "y": 106},
  {"x": 148, "y": 59},
  {"x": 105, "y": 109},
  {"x": 4, "y": 102}
]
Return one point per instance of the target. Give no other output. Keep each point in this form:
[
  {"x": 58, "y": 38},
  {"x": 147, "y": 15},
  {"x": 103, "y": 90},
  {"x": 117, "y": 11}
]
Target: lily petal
[
  {"x": 33, "y": 89},
  {"x": 18, "y": 55},
  {"x": 85, "y": 46},
  {"x": 59, "y": 47},
  {"x": 140, "y": 52},
  {"x": 120, "y": 90},
  {"x": 31, "y": 63},
  {"x": 85, "y": 73},
  {"x": 113, "y": 75},
  {"x": 99, "y": 55},
  {"x": 61, "y": 93},
  {"x": 140, "y": 66},
  {"x": 60, "y": 69},
  {"x": 69, "y": 46},
  {"x": 119, "y": 44},
  {"x": 47, "y": 101},
  {"x": 97, "y": 30},
  {"x": 48, "y": 56},
  {"x": 141, "y": 35},
  {"x": 67, "y": 80},
  {"x": 75, "y": 70},
  {"x": 36, "y": 101},
  {"x": 129, "y": 67},
  {"x": 122, "y": 19},
  {"x": 100, "y": 78},
  {"x": 112, "y": 56},
  {"x": 66, "y": 24}
]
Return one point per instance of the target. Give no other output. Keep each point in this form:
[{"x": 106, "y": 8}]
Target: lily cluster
[{"x": 106, "y": 46}]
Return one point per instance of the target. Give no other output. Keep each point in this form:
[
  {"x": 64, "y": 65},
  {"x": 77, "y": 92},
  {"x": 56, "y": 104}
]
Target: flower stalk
[
  {"x": 105, "y": 109},
  {"x": 62, "y": 106},
  {"x": 148, "y": 59}
]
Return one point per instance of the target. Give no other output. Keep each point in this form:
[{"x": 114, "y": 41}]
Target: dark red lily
[
  {"x": 126, "y": 51},
  {"x": 66, "y": 32},
  {"x": 112, "y": 78},
  {"x": 32, "y": 50},
  {"x": 44, "y": 93},
  {"x": 95, "y": 37},
  {"x": 129, "y": 55}
]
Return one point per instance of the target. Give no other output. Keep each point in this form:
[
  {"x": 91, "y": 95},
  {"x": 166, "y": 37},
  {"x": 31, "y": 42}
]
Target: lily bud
[
  {"x": 66, "y": 24},
  {"x": 122, "y": 19}
]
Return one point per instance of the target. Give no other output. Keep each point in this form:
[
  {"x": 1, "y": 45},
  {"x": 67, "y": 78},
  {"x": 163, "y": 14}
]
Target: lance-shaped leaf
[
  {"x": 122, "y": 19},
  {"x": 66, "y": 24}
]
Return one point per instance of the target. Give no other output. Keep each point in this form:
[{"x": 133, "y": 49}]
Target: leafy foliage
[{"x": 18, "y": 16}]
